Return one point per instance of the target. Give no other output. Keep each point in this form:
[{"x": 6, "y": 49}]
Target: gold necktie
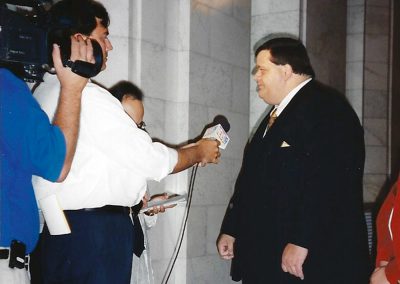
[{"x": 272, "y": 118}]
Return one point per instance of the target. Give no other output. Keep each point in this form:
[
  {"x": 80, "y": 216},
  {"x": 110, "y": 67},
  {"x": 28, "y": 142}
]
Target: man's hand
[
  {"x": 209, "y": 151},
  {"x": 202, "y": 152},
  {"x": 293, "y": 258},
  {"x": 160, "y": 208},
  {"x": 80, "y": 50},
  {"x": 225, "y": 246},
  {"x": 379, "y": 276}
]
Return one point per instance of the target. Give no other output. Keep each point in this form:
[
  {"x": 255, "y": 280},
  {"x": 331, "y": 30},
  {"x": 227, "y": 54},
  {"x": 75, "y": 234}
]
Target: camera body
[
  {"x": 26, "y": 44},
  {"x": 23, "y": 45}
]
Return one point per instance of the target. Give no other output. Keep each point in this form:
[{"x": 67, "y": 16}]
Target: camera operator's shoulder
[
  {"x": 6, "y": 74},
  {"x": 10, "y": 82}
]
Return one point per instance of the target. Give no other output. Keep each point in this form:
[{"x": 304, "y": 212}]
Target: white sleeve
[{"x": 118, "y": 137}]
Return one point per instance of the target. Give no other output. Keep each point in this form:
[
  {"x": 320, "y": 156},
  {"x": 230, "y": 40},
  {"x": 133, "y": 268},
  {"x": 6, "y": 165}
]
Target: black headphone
[
  {"x": 61, "y": 37},
  {"x": 83, "y": 68}
]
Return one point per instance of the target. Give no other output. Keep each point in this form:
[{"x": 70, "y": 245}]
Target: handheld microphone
[{"x": 218, "y": 129}]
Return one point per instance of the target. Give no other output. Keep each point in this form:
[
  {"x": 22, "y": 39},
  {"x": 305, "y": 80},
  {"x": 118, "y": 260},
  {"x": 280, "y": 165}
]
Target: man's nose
[{"x": 109, "y": 45}]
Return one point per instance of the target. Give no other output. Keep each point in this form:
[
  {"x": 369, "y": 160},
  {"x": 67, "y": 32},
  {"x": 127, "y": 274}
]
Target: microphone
[{"x": 218, "y": 129}]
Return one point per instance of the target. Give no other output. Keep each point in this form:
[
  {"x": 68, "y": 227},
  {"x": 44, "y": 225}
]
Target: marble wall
[{"x": 376, "y": 96}]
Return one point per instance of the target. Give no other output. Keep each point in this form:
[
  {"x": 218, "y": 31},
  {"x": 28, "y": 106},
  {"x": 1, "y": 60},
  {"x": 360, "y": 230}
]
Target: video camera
[{"x": 25, "y": 44}]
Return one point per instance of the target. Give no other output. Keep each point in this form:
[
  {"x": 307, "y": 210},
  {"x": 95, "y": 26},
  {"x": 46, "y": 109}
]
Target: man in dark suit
[{"x": 297, "y": 210}]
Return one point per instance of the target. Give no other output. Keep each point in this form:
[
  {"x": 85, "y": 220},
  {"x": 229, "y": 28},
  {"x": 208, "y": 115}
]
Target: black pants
[{"x": 99, "y": 249}]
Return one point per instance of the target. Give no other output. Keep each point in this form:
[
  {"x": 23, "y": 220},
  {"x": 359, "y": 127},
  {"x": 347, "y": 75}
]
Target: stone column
[{"x": 376, "y": 96}]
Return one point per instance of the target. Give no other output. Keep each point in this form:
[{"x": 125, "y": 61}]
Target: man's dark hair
[
  {"x": 77, "y": 16},
  {"x": 126, "y": 88},
  {"x": 69, "y": 17},
  {"x": 285, "y": 50}
]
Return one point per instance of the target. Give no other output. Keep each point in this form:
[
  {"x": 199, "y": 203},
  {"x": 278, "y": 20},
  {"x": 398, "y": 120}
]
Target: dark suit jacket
[{"x": 308, "y": 194}]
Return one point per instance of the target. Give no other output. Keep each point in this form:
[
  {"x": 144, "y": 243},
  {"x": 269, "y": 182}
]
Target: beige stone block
[
  {"x": 376, "y": 160},
  {"x": 377, "y": 19},
  {"x": 207, "y": 270},
  {"x": 375, "y": 132},
  {"x": 377, "y": 48},
  {"x": 373, "y": 184},
  {"x": 375, "y": 104},
  {"x": 375, "y": 76},
  {"x": 355, "y": 98}
]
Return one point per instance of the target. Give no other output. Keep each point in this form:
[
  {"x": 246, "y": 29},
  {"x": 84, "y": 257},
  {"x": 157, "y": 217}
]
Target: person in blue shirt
[{"x": 31, "y": 145}]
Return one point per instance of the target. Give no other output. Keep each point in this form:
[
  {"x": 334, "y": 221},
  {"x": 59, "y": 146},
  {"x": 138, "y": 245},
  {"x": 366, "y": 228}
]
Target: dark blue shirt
[{"x": 29, "y": 145}]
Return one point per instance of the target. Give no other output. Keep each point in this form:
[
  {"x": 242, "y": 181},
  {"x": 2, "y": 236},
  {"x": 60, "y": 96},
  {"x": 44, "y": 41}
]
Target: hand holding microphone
[
  {"x": 205, "y": 150},
  {"x": 208, "y": 151},
  {"x": 217, "y": 130}
]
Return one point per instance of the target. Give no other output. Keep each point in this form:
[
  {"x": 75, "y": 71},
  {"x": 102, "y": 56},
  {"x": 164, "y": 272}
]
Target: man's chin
[{"x": 264, "y": 97}]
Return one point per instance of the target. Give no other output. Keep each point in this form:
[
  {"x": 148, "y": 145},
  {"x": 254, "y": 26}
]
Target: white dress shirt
[{"x": 113, "y": 159}]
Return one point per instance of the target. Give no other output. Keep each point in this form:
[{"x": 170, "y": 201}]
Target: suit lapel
[{"x": 292, "y": 111}]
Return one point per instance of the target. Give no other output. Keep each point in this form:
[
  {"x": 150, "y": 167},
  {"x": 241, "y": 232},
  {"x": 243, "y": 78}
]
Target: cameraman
[
  {"x": 30, "y": 144},
  {"x": 113, "y": 162}
]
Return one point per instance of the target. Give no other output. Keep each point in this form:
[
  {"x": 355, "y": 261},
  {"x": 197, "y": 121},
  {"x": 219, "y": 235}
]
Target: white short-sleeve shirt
[{"x": 113, "y": 159}]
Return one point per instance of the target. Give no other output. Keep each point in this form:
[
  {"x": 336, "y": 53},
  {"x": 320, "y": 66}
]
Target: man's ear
[
  {"x": 77, "y": 35},
  {"x": 287, "y": 71}
]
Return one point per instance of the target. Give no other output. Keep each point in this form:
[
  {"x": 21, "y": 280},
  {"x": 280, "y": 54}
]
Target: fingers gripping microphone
[{"x": 218, "y": 129}]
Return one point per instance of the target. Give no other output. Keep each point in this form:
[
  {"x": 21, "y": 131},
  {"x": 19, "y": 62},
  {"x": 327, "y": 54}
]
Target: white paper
[
  {"x": 165, "y": 202},
  {"x": 54, "y": 216}
]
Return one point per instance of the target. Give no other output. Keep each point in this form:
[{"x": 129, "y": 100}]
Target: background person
[
  {"x": 131, "y": 98},
  {"x": 296, "y": 215},
  {"x": 387, "y": 263}
]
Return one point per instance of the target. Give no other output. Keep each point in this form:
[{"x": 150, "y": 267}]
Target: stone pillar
[
  {"x": 376, "y": 95},
  {"x": 355, "y": 55},
  {"x": 326, "y": 41},
  {"x": 218, "y": 84}
]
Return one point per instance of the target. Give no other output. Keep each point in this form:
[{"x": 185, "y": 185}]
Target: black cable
[{"x": 171, "y": 264}]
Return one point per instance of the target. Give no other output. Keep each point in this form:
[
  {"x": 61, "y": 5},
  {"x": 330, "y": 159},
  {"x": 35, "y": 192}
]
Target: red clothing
[{"x": 388, "y": 249}]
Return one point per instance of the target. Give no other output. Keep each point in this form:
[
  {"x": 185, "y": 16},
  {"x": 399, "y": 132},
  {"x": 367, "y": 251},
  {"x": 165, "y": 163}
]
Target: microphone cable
[{"x": 178, "y": 245}]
